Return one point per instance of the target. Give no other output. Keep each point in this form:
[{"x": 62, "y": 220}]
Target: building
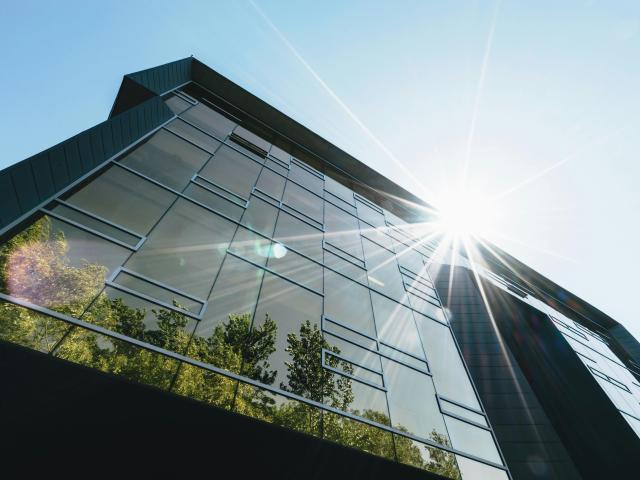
[{"x": 201, "y": 279}]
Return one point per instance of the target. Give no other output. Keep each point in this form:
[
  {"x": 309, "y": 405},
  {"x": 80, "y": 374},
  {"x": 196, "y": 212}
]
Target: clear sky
[{"x": 539, "y": 100}]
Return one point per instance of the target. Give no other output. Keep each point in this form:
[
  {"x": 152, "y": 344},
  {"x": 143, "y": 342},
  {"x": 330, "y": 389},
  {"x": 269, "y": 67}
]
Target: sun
[{"x": 465, "y": 214}]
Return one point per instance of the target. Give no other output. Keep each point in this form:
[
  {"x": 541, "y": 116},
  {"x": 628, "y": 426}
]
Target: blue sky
[{"x": 539, "y": 99}]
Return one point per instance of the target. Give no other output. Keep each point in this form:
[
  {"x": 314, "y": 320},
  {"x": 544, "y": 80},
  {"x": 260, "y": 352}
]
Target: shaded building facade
[{"x": 201, "y": 266}]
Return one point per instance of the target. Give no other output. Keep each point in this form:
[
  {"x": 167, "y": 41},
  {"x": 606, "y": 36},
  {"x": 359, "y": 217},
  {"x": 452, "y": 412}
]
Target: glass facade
[{"x": 210, "y": 263}]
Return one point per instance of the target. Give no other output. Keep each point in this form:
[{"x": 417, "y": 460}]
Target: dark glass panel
[
  {"x": 196, "y": 136},
  {"x": 137, "y": 318},
  {"x": 177, "y": 104},
  {"x": 117, "y": 357},
  {"x": 209, "y": 120},
  {"x": 125, "y": 199},
  {"x": 276, "y": 167},
  {"x": 278, "y": 409},
  {"x": 167, "y": 159},
  {"x": 435, "y": 460},
  {"x": 288, "y": 317},
  {"x": 251, "y": 246},
  {"x": 30, "y": 329},
  {"x": 348, "y": 303},
  {"x": 186, "y": 249},
  {"x": 252, "y": 138},
  {"x": 382, "y": 270},
  {"x": 412, "y": 402},
  {"x": 96, "y": 224},
  {"x": 56, "y": 265},
  {"x": 355, "y": 434},
  {"x": 271, "y": 183},
  {"x": 299, "y": 235},
  {"x": 307, "y": 179},
  {"x": 295, "y": 267},
  {"x": 260, "y": 215},
  {"x": 473, "y": 440},
  {"x": 446, "y": 365},
  {"x": 303, "y": 201},
  {"x": 232, "y": 170},
  {"x": 219, "y": 203},
  {"x": 395, "y": 325},
  {"x": 159, "y": 293},
  {"x": 341, "y": 230}
]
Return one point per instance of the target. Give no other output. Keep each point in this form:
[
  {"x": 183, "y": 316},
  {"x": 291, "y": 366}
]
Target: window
[
  {"x": 396, "y": 326},
  {"x": 299, "y": 235},
  {"x": 194, "y": 135},
  {"x": 232, "y": 170},
  {"x": 186, "y": 248},
  {"x": 473, "y": 440},
  {"x": 341, "y": 230},
  {"x": 303, "y": 201},
  {"x": 306, "y": 177},
  {"x": 382, "y": 270},
  {"x": 348, "y": 303},
  {"x": 271, "y": 183},
  {"x": 125, "y": 199},
  {"x": 167, "y": 159},
  {"x": 209, "y": 120}
]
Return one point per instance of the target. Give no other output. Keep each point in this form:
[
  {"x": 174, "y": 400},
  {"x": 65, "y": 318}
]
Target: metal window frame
[
  {"x": 608, "y": 378},
  {"x": 191, "y": 142},
  {"x": 326, "y": 366},
  {"x": 241, "y": 202},
  {"x": 342, "y": 253}
]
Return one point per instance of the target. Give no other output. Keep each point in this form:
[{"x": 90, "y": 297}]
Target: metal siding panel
[
  {"x": 42, "y": 175},
  {"x": 125, "y": 129},
  {"x": 84, "y": 147},
  {"x": 107, "y": 139},
  {"x": 74, "y": 165},
  {"x": 9, "y": 207},
  {"x": 25, "y": 186},
  {"x": 58, "y": 168},
  {"x": 96, "y": 146},
  {"x": 116, "y": 131}
]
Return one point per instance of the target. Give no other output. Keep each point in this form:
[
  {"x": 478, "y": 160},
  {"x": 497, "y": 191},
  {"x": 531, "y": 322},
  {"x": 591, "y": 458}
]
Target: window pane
[
  {"x": 296, "y": 267},
  {"x": 219, "y": 203},
  {"x": 177, "y": 104},
  {"x": 125, "y": 199},
  {"x": 463, "y": 412},
  {"x": 271, "y": 183},
  {"x": 376, "y": 235},
  {"x": 396, "y": 325},
  {"x": 354, "y": 353},
  {"x": 252, "y": 138},
  {"x": 412, "y": 402},
  {"x": 339, "y": 190},
  {"x": 58, "y": 266},
  {"x": 369, "y": 215},
  {"x": 305, "y": 178},
  {"x": 341, "y": 230},
  {"x": 167, "y": 159},
  {"x": 410, "y": 259},
  {"x": 287, "y": 319},
  {"x": 117, "y": 357},
  {"x": 209, "y": 120},
  {"x": 232, "y": 170},
  {"x": 280, "y": 154},
  {"x": 428, "y": 458},
  {"x": 198, "y": 137},
  {"x": 221, "y": 334},
  {"x": 446, "y": 365},
  {"x": 303, "y": 201},
  {"x": 354, "y": 434},
  {"x": 137, "y": 318},
  {"x": 251, "y": 246},
  {"x": 472, "y": 470},
  {"x": 260, "y": 215},
  {"x": 426, "y": 307},
  {"x": 348, "y": 303},
  {"x": 185, "y": 249},
  {"x": 299, "y": 235},
  {"x": 382, "y": 270},
  {"x": 30, "y": 329},
  {"x": 340, "y": 264},
  {"x": 473, "y": 440},
  {"x": 96, "y": 224}
]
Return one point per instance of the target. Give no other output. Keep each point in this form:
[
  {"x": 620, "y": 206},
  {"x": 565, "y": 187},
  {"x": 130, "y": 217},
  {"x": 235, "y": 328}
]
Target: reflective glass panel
[
  {"x": 295, "y": 267},
  {"x": 167, "y": 159},
  {"x": 218, "y": 202},
  {"x": 299, "y": 235},
  {"x": 395, "y": 325},
  {"x": 271, "y": 183},
  {"x": 124, "y": 198},
  {"x": 382, "y": 270},
  {"x": 348, "y": 303},
  {"x": 260, "y": 215},
  {"x": 305, "y": 178},
  {"x": 194, "y": 135},
  {"x": 209, "y": 120},
  {"x": 185, "y": 249},
  {"x": 303, "y": 201},
  {"x": 341, "y": 230},
  {"x": 470, "y": 439},
  {"x": 232, "y": 170}
]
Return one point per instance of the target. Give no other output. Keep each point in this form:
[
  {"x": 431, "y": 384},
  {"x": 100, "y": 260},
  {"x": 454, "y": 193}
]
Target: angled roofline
[{"x": 138, "y": 109}]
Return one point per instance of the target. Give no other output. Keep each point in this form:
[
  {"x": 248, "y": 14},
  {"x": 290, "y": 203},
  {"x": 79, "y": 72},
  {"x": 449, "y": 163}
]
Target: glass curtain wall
[{"x": 210, "y": 263}]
